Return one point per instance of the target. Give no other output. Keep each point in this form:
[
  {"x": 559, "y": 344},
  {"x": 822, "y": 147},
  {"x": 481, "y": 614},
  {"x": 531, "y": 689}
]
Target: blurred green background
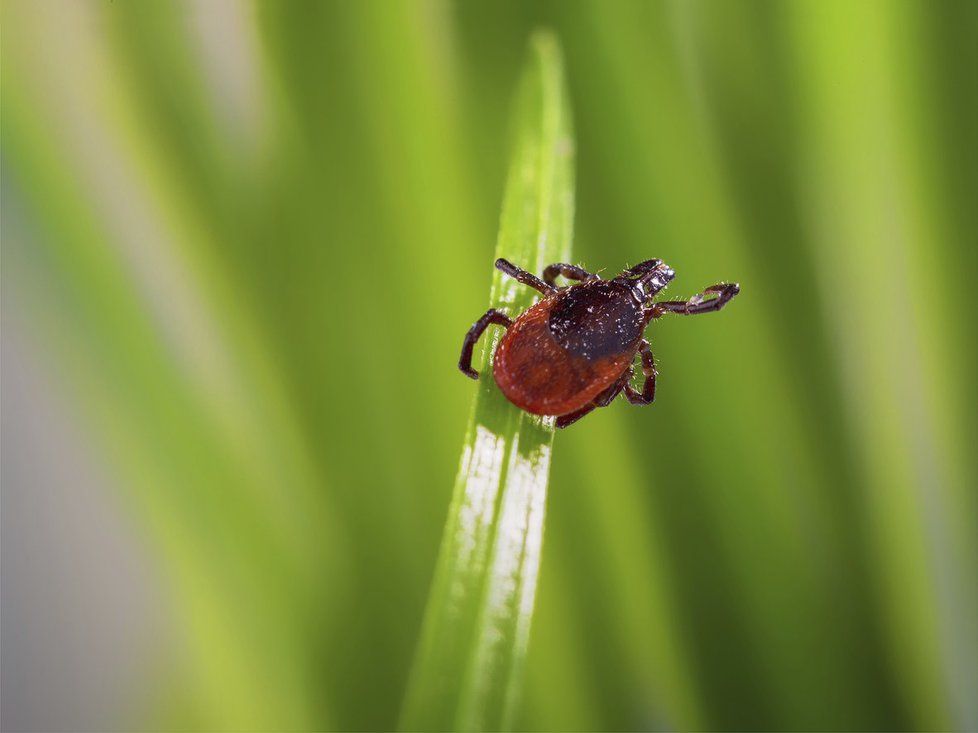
[{"x": 241, "y": 244}]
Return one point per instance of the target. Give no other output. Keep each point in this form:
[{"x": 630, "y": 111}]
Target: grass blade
[{"x": 468, "y": 665}]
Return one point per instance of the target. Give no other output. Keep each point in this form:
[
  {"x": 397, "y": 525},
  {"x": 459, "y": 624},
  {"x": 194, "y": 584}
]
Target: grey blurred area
[{"x": 80, "y": 616}]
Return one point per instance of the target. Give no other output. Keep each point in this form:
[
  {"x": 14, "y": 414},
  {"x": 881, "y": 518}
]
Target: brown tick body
[{"x": 573, "y": 350}]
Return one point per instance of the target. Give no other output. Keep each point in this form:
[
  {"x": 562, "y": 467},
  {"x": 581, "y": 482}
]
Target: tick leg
[
  {"x": 602, "y": 400},
  {"x": 571, "y": 272},
  {"x": 572, "y": 417},
  {"x": 725, "y": 292},
  {"x": 489, "y": 317},
  {"x": 527, "y": 278},
  {"x": 647, "y": 395},
  {"x": 607, "y": 397}
]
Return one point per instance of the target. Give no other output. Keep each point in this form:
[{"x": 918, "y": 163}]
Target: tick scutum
[{"x": 596, "y": 320}]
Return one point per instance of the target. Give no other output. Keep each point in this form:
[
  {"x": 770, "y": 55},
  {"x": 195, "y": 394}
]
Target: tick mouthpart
[{"x": 654, "y": 280}]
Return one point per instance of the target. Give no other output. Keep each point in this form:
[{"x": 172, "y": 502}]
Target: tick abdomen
[{"x": 567, "y": 349}]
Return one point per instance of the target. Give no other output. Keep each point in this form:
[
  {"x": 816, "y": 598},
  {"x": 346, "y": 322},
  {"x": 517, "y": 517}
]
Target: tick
[{"x": 573, "y": 350}]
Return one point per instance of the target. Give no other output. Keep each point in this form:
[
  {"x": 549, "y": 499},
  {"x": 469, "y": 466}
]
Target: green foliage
[{"x": 242, "y": 242}]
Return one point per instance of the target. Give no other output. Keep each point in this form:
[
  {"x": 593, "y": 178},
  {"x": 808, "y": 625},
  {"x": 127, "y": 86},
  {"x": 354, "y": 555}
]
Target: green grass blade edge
[{"x": 467, "y": 669}]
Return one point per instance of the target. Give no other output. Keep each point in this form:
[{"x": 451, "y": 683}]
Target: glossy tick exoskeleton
[{"x": 573, "y": 351}]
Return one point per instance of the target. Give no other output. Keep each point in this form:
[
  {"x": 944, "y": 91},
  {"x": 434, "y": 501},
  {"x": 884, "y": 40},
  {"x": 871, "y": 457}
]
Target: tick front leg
[
  {"x": 725, "y": 292},
  {"x": 571, "y": 272},
  {"x": 488, "y": 318},
  {"x": 527, "y": 278},
  {"x": 647, "y": 395}
]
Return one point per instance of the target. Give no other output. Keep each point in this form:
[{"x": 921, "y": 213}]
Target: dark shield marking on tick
[{"x": 596, "y": 321}]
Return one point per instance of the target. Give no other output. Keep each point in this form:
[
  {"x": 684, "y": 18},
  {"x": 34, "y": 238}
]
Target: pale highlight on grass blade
[{"x": 469, "y": 662}]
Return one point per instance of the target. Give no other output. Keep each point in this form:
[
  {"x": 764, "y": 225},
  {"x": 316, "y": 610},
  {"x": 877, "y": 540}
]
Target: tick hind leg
[
  {"x": 647, "y": 395},
  {"x": 725, "y": 292},
  {"x": 572, "y": 417},
  {"x": 602, "y": 400},
  {"x": 488, "y": 318},
  {"x": 527, "y": 278},
  {"x": 571, "y": 272}
]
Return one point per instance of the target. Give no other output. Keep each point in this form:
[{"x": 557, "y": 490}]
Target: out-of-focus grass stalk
[
  {"x": 201, "y": 460},
  {"x": 468, "y": 666},
  {"x": 869, "y": 212},
  {"x": 693, "y": 225}
]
